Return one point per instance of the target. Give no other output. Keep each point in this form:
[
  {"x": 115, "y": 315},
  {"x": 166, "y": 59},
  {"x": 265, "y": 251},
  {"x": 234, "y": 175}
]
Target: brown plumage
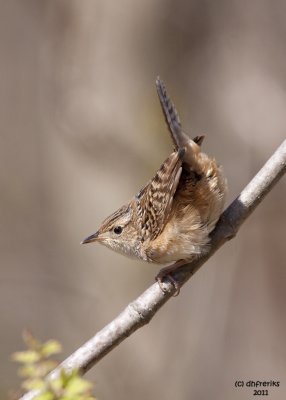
[{"x": 170, "y": 219}]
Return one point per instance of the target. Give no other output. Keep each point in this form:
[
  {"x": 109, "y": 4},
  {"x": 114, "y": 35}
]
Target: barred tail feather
[
  {"x": 180, "y": 139},
  {"x": 171, "y": 116}
]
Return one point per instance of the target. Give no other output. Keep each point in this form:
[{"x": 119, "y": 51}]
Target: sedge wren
[{"x": 170, "y": 219}]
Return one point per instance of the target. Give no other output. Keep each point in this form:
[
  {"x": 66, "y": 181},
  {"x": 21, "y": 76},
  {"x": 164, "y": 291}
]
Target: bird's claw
[{"x": 160, "y": 277}]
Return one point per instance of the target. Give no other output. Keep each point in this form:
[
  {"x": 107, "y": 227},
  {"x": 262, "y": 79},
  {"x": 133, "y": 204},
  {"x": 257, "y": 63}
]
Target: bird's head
[{"x": 118, "y": 232}]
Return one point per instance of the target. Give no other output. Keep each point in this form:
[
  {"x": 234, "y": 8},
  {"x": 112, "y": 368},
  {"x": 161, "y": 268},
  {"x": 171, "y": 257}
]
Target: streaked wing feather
[{"x": 154, "y": 201}]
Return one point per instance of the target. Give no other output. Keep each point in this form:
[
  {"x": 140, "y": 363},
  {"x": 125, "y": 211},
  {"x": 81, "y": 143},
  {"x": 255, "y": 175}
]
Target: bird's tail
[{"x": 179, "y": 138}]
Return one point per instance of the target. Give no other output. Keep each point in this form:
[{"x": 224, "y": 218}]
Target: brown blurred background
[{"x": 82, "y": 131}]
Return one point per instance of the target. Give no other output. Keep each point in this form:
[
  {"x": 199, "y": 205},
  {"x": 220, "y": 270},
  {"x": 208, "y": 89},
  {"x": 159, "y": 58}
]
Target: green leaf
[
  {"x": 34, "y": 383},
  {"x": 77, "y": 386},
  {"x": 66, "y": 377},
  {"x": 46, "y": 395},
  {"x": 44, "y": 367},
  {"x": 36, "y": 365},
  {"x": 56, "y": 384},
  {"x": 51, "y": 347},
  {"x": 26, "y": 357},
  {"x": 28, "y": 371}
]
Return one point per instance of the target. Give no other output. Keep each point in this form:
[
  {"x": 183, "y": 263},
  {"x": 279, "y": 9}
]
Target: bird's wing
[{"x": 154, "y": 201}]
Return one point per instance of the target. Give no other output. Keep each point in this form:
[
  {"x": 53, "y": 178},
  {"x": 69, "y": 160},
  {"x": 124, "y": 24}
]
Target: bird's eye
[{"x": 117, "y": 230}]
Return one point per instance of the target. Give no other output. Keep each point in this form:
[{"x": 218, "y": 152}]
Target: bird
[{"x": 169, "y": 221}]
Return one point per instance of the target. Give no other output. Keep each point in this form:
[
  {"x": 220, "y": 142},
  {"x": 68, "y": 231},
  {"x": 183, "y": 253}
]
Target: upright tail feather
[
  {"x": 170, "y": 113},
  {"x": 179, "y": 138}
]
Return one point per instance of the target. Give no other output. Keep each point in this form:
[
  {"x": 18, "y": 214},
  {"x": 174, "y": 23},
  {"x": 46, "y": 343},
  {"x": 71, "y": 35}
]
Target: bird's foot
[{"x": 166, "y": 273}]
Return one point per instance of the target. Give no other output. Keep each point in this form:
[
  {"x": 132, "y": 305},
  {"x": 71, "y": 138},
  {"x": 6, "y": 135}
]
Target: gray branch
[{"x": 141, "y": 311}]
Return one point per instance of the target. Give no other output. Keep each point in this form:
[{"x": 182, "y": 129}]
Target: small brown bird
[{"x": 170, "y": 219}]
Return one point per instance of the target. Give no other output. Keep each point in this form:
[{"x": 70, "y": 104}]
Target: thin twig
[{"x": 141, "y": 311}]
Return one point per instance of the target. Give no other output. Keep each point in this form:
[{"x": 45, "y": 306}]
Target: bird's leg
[{"x": 166, "y": 273}]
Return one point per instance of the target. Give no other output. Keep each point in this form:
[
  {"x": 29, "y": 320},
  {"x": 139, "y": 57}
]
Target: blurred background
[{"x": 82, "y": 131}]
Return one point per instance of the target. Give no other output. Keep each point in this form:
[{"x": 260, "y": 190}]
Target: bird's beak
[{"x": 91, "y": 238}]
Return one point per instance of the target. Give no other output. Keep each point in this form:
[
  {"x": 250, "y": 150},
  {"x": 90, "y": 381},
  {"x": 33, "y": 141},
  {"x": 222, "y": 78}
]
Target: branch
[{"x": 141, "y": 311}]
